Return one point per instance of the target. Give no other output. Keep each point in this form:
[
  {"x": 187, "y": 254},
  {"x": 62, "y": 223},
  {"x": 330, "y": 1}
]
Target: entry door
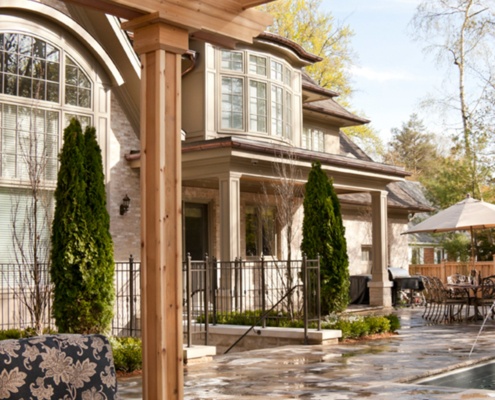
[{"x": 196, "y": 230}]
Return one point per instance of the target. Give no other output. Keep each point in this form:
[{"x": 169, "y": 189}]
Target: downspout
[{"x": 191, "y": 54}]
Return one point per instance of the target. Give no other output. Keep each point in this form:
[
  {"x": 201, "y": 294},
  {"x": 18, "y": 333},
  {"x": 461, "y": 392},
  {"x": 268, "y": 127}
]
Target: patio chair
[
  {"x": 429, "y": 296},
  {"x": 486, "y": 297},
  {"x": 450, "y": 302}
]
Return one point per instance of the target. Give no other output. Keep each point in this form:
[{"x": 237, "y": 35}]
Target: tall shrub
[
  {"x": 101, "y": 288},
  {"x": 81, "y": 299},
  {"x": 323, "y": 235}
]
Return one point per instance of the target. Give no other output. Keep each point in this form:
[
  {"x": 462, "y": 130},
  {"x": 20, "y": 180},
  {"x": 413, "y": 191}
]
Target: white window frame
[
  {"x": 276, "y": 75},
  {"x": 313, "y": 139}
]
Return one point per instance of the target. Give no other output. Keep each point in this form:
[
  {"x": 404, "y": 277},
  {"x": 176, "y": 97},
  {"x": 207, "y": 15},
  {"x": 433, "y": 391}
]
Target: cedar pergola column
[
  {"x": 160, "y": 46},
  {"x": 161, "y": 32}
]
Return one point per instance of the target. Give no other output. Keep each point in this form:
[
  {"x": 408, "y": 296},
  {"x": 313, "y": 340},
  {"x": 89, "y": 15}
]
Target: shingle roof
[{"x": 405, "y": 195}]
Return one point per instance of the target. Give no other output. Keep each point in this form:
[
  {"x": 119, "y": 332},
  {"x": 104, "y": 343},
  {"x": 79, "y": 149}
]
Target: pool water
[{"x": 475, "y": 377}]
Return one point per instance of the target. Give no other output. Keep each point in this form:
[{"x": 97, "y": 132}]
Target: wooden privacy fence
[{"x": 445, "y": 269}]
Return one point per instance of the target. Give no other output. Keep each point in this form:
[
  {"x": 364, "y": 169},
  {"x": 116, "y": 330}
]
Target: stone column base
[{"x": 380, "y": 293}]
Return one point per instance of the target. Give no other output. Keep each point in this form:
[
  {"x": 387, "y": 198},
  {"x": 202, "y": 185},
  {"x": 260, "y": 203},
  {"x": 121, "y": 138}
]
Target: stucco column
[
  {"x": 380, "y": 285},
  {"x": 160, "y": 47},
  {"x": 230, "y": 216}
]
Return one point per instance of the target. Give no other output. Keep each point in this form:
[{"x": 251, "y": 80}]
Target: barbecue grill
[{"x": 403, "y": 281}]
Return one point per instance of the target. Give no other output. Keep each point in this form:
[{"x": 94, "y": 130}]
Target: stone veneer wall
[{"x": 125, "y": 229}]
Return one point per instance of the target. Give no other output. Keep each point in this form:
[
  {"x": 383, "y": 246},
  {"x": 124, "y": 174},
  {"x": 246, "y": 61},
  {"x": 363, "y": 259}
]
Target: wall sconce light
[{"x": 124, "y": 207}]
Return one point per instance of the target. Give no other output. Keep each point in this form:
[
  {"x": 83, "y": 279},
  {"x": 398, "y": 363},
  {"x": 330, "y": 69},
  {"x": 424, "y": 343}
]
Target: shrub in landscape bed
[
  {"x": 127, "y": 353},
  {"x": 324, "y": 235},
  {"x": 352, "y": 326},
  {"x": 82, "y": 250}
]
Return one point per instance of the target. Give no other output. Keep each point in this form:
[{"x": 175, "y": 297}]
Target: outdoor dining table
[{"x": 473, "y": 292}]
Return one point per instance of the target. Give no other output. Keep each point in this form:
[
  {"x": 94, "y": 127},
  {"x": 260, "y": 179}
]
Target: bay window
[{"x": 256, "y": 94}]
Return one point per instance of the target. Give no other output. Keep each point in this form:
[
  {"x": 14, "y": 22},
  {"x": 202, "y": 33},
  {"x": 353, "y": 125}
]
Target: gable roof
[{"x": 350, "y": 149}]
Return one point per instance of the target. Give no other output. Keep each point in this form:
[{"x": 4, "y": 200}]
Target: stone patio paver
[{"x": 377, "y": 369}]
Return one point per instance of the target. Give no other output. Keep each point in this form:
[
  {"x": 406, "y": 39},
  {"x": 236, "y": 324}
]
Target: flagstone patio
[{"x": 378, "y": 369}]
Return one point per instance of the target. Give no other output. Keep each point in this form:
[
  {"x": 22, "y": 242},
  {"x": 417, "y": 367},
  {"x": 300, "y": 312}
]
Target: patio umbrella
[{"x": 467, "y": 215}]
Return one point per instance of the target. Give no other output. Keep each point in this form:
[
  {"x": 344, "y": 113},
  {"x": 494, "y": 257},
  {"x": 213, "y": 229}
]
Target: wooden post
[{"x": 160, "y": 46}]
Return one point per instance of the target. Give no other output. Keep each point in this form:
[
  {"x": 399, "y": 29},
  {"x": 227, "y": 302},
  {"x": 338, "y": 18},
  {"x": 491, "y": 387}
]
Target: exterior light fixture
[{"x": 124, "y": 207}]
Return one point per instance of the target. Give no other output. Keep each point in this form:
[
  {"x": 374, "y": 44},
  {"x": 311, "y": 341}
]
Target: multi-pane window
[
  {"x": 287, "y": 77},
  {"x": 232, "y": 103},
  {"x": 257, "y": 65},
  {"x": 41, "y": 89},
  {"x": 256, "y": 94},
  {"x": 277, "y": 71},
  {"x": 260, "y": 231},
  {"x": 29, "y": 67},
  {"x": 77, "y": 85},
  {"x": 366, "y": 253},
  {"x": 257, "y": 106},
  {"x": 37, "y": 80},
  {"x": 313, "y": 139},
  {"x": 30, "y": 142},
  {"x": 288, "y": 115},
  {"x": 277, "y": 110},
  {"x": 232, "y": 60}
]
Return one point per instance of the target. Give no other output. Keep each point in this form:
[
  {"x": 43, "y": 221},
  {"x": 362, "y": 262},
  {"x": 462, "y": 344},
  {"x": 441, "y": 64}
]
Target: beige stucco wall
[
  {"x": 357, "y": 233},
  {"x": 398, "y": 246}
]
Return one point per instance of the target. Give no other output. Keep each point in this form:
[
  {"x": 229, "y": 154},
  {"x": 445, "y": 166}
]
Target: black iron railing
[{"x": 211, "y": 289}]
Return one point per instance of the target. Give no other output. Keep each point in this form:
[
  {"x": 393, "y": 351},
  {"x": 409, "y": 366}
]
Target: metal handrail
[{"x": 262, "y": 318}]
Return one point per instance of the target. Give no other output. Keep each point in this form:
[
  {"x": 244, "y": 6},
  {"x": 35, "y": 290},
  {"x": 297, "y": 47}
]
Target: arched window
[{"x": 41, "y": 88}]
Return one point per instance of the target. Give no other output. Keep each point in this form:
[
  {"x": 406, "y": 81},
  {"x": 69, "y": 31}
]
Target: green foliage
[
  {"x": 11, "y": 334},
  {"x": 352, "y": 327},
  {"x": 412, "y": 147},
  {"x": 394, "y": 322},
  {"x": 127, "y": 353},
  {"x": 250, "y": 317},
  {"x": 18, "y": 333},
  {"x": 101, "y": 282},
  {"x": 303, "y": 22},
  {"x": 457, "y": 245},
  {"x": 323, "y": 235},
  {"x": 458, "y": 32},
  {"x": 82, "y": 257},
  {"x": 355, "y": 327},
  {"x": 485, "y": 244}
]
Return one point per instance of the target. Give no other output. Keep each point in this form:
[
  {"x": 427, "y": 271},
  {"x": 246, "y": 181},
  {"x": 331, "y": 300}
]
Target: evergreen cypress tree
[
  {"x": 323, "y": 235},
  {"x": 100, "y": 285},
  {"x": 339, "y": 281},
  {"x": 81, "y": 256}
]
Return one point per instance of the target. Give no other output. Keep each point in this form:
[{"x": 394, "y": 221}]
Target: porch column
[
  {"x": 160, "y": 47},
  {"x": 230, "y": 216},
  {"x": 380, "y": 285}
]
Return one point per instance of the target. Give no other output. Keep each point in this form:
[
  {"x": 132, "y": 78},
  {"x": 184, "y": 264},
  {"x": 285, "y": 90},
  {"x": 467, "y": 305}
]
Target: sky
[{"x": 392, "y": 74}]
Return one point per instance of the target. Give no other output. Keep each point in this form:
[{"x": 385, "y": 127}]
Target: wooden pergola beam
[{"x": 232, "y": 19}]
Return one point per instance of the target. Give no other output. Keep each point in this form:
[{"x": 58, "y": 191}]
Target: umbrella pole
[{"x": 472, "y": 249}]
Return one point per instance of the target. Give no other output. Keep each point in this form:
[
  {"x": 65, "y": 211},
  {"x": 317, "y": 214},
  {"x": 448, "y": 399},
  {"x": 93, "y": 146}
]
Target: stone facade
[{"x": 125, "y": 229}]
